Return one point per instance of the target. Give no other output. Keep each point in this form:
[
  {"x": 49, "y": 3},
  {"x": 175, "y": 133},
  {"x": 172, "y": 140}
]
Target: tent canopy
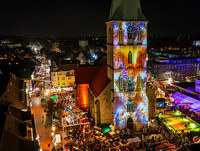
[
  {"x": 134, "y": 140},
  {"x": 187, "y": 100}
]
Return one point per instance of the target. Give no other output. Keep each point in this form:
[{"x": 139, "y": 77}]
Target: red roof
[
  {"x": 95, "y": 76},
  {"x": 84, "y": 75},
  {"x": 100, "y": 80}
]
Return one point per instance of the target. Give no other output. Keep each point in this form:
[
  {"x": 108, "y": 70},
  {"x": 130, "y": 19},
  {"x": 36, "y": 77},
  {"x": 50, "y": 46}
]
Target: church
[{"x": 122, "y": 99}]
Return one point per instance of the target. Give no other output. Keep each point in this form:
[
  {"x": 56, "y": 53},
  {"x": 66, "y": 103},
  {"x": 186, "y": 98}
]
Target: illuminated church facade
[
  {"x": 127, "y": 64},
  {"x": 115, "y": 92}
]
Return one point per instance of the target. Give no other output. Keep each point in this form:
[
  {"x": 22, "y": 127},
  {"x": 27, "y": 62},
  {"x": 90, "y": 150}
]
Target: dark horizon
[{"x": 82, "y": 18}]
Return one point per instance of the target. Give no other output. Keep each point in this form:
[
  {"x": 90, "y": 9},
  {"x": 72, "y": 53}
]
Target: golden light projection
[{"x": 129, "y": 58}]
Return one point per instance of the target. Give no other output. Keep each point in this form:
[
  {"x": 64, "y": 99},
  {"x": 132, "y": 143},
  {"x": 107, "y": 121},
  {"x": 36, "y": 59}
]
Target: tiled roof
[
  {"x": 95, "y": 76},
  {"x": 100, "y": 80},
  {"x": 84, "y": 75}
]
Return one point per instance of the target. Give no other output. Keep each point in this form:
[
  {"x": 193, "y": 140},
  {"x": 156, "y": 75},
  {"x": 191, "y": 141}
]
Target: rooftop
[
  {"x": 15, "y": 131},
  {"x": 95, "y": 76},
  {"x": 126, "y": 10}
]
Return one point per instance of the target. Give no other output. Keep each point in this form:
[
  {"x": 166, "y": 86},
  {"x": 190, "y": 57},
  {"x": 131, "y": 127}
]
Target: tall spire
[{"x": 126, "y": 10}]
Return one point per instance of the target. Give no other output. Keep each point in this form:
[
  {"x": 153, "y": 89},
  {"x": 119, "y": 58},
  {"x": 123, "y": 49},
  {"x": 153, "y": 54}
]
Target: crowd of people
[
  {"x": 89, "y": 140},
  {"x": 179, "y": 140}
]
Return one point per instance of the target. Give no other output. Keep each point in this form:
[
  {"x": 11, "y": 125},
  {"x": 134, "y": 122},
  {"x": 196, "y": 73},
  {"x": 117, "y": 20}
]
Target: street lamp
[
  {"x": 170, "y": 80},
  {"x": 53, "y": 128}
]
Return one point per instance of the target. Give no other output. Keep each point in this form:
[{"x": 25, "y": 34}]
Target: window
[
  {"x": 130, "y": 85},
  {"x": 139, "y": 40},
  {"x": 63, "y": 78},
  {"x": 130, "y": 34},
  {"x": 69, "y": 78},
  {"x": 58, "y": 83},
  {"x": 63, "y": 83},
  {"x": 130, "y": 57},
  {"x": 121, "y": 83},
  {"x": 120, "y": 35},
  {"x": 58, "y": 78},
  {"x": 130, "y": 105}
]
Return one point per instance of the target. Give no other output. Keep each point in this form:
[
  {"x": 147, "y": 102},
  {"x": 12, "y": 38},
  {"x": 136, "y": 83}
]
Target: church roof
[
  {"x": 95, "y": 76},
  {"x": 84, "y": 75},
  {"x": 100, "y": 80},
  {"x": 54, "y": 65},
  {"x": 126, "y": 10}
]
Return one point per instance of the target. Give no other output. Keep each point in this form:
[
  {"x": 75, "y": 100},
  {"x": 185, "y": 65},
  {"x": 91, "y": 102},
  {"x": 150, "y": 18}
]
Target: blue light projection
[{"x": 129, "y": 58}]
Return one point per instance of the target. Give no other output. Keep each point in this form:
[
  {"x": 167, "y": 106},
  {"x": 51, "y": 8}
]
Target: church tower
[{"x": 126, "y": 60}]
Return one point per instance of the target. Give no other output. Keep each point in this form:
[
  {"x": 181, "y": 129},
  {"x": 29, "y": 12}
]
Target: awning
[{"x": 134, "y": 140}]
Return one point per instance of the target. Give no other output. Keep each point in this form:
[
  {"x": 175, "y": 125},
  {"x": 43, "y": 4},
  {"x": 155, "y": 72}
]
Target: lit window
[
  {"x": 121, "y": 83},
  {"x": 130, "y": 84},
  {"x": 139, "y": 40},
  {"x": 130, "y": 105},
  {"x": 120, "y": 35},
  {"x": 130, "y": 34},
  {"x": 129, "y": 57}
]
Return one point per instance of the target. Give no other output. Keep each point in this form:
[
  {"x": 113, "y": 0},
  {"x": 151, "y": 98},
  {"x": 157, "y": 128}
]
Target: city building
[
  {"x": 82, "y": 58},
  {"x": 63, "y": 79},
  {"x": 25, "y": 70},
  {"x": 63, "y": 75},
  {"x": 19, "y": 130},
  {"x": 83, "y": 44},
  {"x": 10, "y": 91},
  {"x": 10, "y": 43},
  {"x": 55, "y": 47},
  {"x": 93, "y": 92},
  {"x": 196, "y": 43},
  {"x": 115, "y": 92},
  {"x": 126, "y": 56},
  {"x": 186, "y": 69}
]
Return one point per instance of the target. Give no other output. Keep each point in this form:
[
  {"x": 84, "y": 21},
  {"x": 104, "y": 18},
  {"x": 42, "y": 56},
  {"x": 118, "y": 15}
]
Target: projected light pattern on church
[{"x": 129, "y": 60}]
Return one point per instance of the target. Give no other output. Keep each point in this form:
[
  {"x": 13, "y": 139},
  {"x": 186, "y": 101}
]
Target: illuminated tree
[{"x": 49, "y": 115}]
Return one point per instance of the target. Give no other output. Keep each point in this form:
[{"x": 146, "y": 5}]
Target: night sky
[{"x": 88, "y": 17}]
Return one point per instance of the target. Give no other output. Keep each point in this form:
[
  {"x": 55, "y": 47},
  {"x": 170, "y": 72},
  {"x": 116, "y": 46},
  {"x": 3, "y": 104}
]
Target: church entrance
[{"x": 130, "y": 123}]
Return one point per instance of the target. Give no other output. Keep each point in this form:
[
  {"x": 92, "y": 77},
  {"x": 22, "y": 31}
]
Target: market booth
[
  {"x": 135, "y": 141},
  {"x": 178, "y": 122},
  {"x": 186, "y": 102}
]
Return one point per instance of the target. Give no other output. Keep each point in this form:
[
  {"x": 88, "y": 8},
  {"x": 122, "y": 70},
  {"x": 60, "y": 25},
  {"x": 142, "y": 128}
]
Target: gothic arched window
[
  {"x": 130, "y": 82},
  {"x": 139, "y": 40},
  {"x": 121, "y": 83},
  {"x": 130, "y": 57},
  {"x": 130, "y": 34},
  {"x": 130, "y": 105},
  {"x": 120, "y": 36}
]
